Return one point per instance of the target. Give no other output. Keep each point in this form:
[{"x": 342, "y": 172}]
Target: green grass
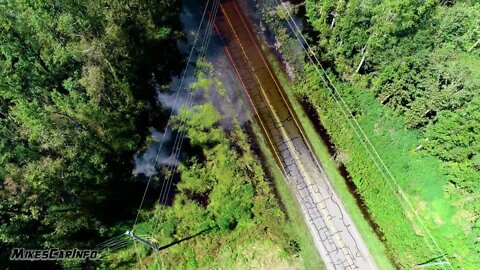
[
  {"x": 376, "y": 247},
  {"x": 296, "y": 226}
]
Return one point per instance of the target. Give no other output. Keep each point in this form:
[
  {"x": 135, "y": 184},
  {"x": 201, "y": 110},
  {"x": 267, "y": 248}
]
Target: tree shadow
[{"x": 186, "y": 238}]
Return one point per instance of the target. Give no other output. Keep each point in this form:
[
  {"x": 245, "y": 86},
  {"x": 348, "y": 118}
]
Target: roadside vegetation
[
  {"x": 223, "y": 191},
  {"x": 409, "y": 73},
  {"x": 223, "y": 199}
]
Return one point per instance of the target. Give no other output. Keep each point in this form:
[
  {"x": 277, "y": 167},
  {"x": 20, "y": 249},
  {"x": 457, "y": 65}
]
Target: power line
[
  {"x": 180, "y": 136},
  {"x": 182, "y": 120},
  {"x": 171, "y": 114},
  {"x": 294, "y": 27},
  {"x": 114, "y": 243}
]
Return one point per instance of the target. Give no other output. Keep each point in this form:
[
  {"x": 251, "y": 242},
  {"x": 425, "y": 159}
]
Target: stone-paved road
[{"x": 335, "y": 236}]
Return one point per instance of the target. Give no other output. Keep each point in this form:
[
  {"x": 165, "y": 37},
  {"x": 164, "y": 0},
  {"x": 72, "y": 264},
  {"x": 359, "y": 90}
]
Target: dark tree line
[{"x": 76, "y": 97}]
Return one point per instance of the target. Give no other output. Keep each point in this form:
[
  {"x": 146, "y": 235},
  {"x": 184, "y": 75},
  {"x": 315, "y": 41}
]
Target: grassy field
[{"x": 373, "y": 242}]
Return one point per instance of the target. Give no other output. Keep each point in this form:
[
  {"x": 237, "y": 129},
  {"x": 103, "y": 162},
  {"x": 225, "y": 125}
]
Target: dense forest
[
  {"x": 76, "y": 100},
  {"x": 409, "y": 71}
]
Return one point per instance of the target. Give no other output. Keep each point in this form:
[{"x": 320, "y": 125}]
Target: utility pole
[{"x": 141, "y": 240}]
